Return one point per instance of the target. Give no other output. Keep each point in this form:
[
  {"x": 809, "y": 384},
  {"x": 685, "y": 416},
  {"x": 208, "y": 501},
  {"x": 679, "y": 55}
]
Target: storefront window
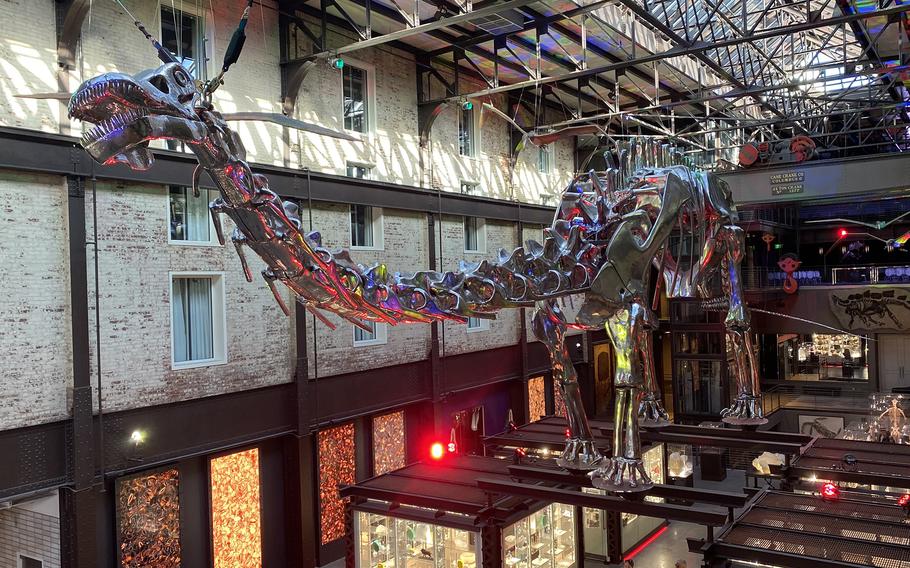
[
  {"x": 635, "y": 528},
  {"x": 544, "y": 538},
  {"x": 822, "y": 357},
  {"x": 386, "y": 542}
]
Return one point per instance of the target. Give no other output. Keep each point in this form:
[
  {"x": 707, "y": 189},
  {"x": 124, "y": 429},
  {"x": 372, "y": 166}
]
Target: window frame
[
  {"x": 381, "y": 332},
  {"x": 481, "y": 235},
  {"x": 546, "y": 150},
  {"x": 370, "y": 88},
  {"x": 377, "y": 226},
  {"x": 484, "y": 325},
  {"x": 202, "y": 41},
  {"x": 473, "y": 185},
  {"x": 475, "y": 132},
  {"x": 30, "y": 556},
  {"x": 219, "y": 319},
  {"x": 367, "y": 168},
  {"x": 213, "y": 235}
]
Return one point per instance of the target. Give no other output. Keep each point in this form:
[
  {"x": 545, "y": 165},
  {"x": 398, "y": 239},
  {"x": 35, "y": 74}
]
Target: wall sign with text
[{"x": 787, "y": 183}]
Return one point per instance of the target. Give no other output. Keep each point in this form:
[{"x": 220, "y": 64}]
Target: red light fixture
[
  {"x": 904, "y": 500},
  {"x": 437, "y": 451},
  {"x": 568, "y": 433},
  {"x": 830, "y": 492},
  {"x": 842, "y": 233}
]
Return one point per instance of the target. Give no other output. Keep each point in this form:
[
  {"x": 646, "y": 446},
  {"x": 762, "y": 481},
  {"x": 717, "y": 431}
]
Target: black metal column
[
  {"x": 78, "y": 505},
  {"x": 300, "y": 470}
]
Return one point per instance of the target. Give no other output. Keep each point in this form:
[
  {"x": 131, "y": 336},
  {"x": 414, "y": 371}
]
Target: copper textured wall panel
[
  {"x": 336, "y": 467},
  {"x": 148, "y": 520},
  {"x": 236, "y": 510},
  {"x": 388, "y": 442},
  {"x": 537, "y": 398}
]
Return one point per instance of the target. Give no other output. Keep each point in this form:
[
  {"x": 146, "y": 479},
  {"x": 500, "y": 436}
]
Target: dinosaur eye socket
[{"x": 181, "y": 77}]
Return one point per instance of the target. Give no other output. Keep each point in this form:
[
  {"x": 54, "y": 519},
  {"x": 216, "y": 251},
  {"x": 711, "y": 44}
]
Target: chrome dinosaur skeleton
[{"x": 610, "y": 232}]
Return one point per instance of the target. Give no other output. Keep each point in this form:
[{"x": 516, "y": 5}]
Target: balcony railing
[
  {"x": 762, "y": 278},
  {"x": 815, "y": 397}
]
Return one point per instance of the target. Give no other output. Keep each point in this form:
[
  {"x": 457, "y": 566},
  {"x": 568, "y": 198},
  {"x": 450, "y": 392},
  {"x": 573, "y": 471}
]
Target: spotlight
[
  {"x": 518, "y": 455},
  {"x": 830, "y": 492},
  {"x": 842, "y": 233},
  {"x": 849, "y": 461},
  {"x": 137, "y": 437},
  {"x": 437, "y": 451},
  {"x": 467, "y": 105},
  {"x": 337, "y": 63}
]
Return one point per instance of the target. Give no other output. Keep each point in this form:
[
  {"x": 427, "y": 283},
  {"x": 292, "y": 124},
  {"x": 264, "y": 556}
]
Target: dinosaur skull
[{"x": 128, "y": 112}]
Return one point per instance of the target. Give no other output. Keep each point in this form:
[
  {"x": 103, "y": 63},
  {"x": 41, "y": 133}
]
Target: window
[
  {"x": 377, "y": 336},
  {"x": 189, "y": 220},
  {"x": 26, "y": 561},
  {"x": 197, "y": 319},
  {"x": 182, "y": 35},
  {"x": 478, "y": 324},
  {"x": 466, "y": 138},
  {"x": 469, "y": 188},
  {"x": 358, "y": 171},
  {"x": 474, "y": 235},
  {"x": 544, "y": 159},
  {"x": 356, "y": 99},
  {"x": 366, "y": 227}
]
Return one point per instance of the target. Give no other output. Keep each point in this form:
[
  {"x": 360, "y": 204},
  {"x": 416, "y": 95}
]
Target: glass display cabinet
[
  {"x": 544, "y": 539},
  {"x": 386, "y": 542},
  {"x": 635, "y": 528}
]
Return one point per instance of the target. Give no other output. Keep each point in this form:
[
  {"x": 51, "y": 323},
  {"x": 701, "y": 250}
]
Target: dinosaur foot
[
  {"x": 622, "y": 475},
  {"x": 746, "y": 411},
  {"x": 651, "y": 413},
  {"x": 579, "y": 455}
]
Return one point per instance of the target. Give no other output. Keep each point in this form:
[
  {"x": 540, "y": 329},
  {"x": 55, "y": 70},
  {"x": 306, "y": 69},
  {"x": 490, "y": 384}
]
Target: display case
[
  {"x": 636, "y": 528},
  {"x": 543, "y": 539},
  {"x": 679, "y": 462},
  {"x": 387, "y": 542}
]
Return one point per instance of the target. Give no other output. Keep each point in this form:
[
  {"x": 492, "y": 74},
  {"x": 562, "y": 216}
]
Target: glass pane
[
  {"x": 191, "y": 312},
  {"x": 236, "y": 518},
  {"x": 466, "y": 133},
  {"x": 822, "y": 356},
  {"x": 699, "y": 384},
  {"x": 361, "y": 226},
  {"x": 470, "y": 233},
  {"x": 355, "y": 102},
  {"x": 190, "y": 218},
  {"x": 364, "y": 335},
  {"x": 180, "y": 36},
  {"x": 698, "y": 342}
]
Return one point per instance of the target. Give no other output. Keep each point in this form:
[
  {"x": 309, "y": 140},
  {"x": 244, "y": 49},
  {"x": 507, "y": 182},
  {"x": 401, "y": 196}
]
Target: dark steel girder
[
  {"x": 700, "y": 48},
  {"x": 648, "y": 18}
]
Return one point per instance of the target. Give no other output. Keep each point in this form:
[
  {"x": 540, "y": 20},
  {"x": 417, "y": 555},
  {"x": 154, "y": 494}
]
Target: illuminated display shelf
[
  {"x": 544, "y": 538},
  {"x": 387, "y": 542}
]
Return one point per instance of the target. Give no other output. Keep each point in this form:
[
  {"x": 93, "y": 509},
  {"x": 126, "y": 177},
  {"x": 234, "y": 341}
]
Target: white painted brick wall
[
  {"x": 35, "y": 335},
  {"x": 134, "y": 264},
  {"x": 27, "y": 532},
  {"x": 111, "y": 43}
]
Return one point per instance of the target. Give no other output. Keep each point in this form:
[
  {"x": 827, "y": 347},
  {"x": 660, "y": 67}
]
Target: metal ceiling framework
[{"x": 711, "y": 74}]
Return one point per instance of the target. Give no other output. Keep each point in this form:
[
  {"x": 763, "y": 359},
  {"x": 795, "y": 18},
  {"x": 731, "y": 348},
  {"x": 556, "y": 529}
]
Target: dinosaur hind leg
[{"x": 549, "y": 325}]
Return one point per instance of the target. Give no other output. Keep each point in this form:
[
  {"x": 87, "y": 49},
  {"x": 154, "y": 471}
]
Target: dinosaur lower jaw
[{"x": 125, "y": 138}]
